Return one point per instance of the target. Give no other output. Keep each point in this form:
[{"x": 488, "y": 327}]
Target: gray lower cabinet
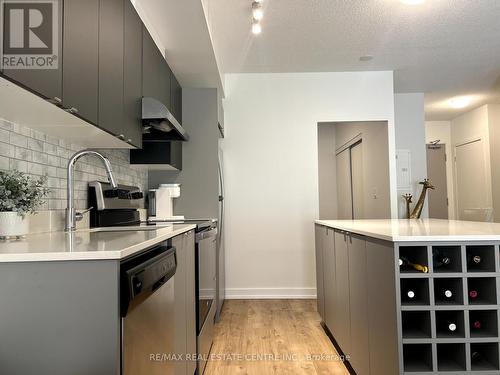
[
  {"x": 45, "y": 82},
  {"x": 320, "y": 290},
  {"x": 81, "y": 57},
  {"x": 64, "y": 316},
  {"x": 329, "y": 284},
  {"x": 342, "y": 330},
  {"x": 381, "y": 288},
  {"x": 184, "y": 290},
  {"x": 359, "y": 306}
]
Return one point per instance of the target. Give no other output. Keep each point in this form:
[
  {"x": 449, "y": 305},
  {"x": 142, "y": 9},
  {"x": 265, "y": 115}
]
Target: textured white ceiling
[{"x": 442, "y": 48}]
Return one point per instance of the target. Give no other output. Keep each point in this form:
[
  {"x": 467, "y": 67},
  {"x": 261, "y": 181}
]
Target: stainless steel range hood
[{"x": 156, "y": 116}]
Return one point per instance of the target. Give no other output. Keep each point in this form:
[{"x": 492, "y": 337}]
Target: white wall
[
  {"x": 441, "y": 130},
  {"x": 410, "y": 135},
  {"x": 271, "y": 170}
]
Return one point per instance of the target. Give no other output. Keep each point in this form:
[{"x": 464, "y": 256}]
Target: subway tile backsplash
[{"x": 38, "y": 154}]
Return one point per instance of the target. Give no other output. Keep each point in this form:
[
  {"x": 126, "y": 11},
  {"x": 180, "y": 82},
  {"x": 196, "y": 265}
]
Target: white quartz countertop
[
  {"x": 403, "y": 230},
  {"x": 86, "y": 244}
]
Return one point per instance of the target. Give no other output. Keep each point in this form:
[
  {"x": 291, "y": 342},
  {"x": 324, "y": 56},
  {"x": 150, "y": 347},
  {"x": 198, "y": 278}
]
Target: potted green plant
[{"x": 20, "y": 194}]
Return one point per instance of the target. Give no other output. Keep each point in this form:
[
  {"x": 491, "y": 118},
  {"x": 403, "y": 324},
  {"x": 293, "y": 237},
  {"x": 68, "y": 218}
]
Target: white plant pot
[{"x": 13, "y": 225}]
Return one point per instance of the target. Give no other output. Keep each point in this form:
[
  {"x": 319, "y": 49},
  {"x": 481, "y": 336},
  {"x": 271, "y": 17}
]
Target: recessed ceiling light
[
  {"x": 366, "y": 58},
  {"x": 412, "y": 2},
  {"x": 257, "y": 11},
  {"x": 256, "y": 28},
  {"x": 459, "y": 102}
]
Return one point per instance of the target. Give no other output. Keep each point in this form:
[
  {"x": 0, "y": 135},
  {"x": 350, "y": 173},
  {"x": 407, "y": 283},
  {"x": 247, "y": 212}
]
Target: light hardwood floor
[{"x": 289, "y": 330}]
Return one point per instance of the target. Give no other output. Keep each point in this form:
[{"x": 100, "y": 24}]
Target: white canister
[{"x": 13, "y": 225}]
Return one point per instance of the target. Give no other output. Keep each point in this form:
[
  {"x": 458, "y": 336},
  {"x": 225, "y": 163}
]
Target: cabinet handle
[
  {"x": 55, "y": 100},
  {"x": 72, "y": 110}
]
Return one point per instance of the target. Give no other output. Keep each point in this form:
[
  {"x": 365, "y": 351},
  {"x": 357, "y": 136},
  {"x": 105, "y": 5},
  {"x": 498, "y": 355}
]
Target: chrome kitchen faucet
[{"x": 71, "y": 215}]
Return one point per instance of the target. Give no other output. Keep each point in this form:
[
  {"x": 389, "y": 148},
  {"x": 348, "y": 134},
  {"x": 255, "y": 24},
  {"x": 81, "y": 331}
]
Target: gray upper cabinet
[
  {"x": 176, "y": 98},
  {"x": 155, "y": 71},
  {"x": 111, "y": 73},
  {"x": 81, "y": 57},
  {"x": 45, "y": 82},
  {"x": 132, "y": 67}
]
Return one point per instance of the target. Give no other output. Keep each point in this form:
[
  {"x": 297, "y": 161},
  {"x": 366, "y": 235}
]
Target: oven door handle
[{"x": 205, "y": 235}]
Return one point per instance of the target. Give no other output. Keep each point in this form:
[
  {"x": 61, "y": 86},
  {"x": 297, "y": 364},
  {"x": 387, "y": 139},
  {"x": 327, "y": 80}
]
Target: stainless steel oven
[
  {"x": 206, "y": 283},
  {"x": 148, "y": 318}
]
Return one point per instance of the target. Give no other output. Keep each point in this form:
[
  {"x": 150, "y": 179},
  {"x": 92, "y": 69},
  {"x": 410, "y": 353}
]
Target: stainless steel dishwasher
[{"x": 147, "y": 304}]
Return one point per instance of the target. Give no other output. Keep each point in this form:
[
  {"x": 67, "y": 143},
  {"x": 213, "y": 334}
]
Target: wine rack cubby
[
  {"x": 417, "y": 357},
  {"x": 416, "y": 324},
  {"x": 483, "y": 323},
  {"x": 414, "y": 255},
  {"x": 446, "y": 259},
  {"x": 451, "y": 324},
  {"x": 482, "y": 290},
  {"x": 451, "y": 357},
  {"x": 484, "y": 356},
  {"x": 480, "y": 258},
  {"x": 415, "y": 292},
  {"x": 448, "y": 291}
]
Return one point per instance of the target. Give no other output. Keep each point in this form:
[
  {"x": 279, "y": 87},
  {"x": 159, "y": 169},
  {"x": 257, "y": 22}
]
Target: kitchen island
[
  {"x": 411, "y": 296},
  {"x": 63, "y": 299}
]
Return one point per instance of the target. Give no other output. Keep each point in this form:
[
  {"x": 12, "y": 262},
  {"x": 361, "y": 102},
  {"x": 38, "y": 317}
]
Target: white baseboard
[{"x": 271, "y": 293}]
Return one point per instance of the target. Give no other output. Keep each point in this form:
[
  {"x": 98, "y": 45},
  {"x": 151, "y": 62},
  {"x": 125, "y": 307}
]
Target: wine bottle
[
  {"x": 452, "y": 327},
  {"x": 410, "y": 294},
  {"x": 440, "y": 260},
  {"x": 473, "y": 294},
  {"x": 418, "y": 267},
  {"x": 448, "y": 293},
  {"x": 474, "y": 259},
  {"x": 475, "y": 356},
  {"x": 476, "y": 324}
]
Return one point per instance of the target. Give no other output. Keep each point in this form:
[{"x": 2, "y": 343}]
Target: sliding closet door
[
  {"x": 357, "y": 180},
  {"x": 344, "y": 189}
]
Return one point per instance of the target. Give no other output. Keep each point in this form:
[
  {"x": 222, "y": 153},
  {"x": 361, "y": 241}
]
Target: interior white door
[
  {"x": 472, "y": 193},
  {"x": 357, "y": 180},
  {"x": 344, "y": 189}
]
